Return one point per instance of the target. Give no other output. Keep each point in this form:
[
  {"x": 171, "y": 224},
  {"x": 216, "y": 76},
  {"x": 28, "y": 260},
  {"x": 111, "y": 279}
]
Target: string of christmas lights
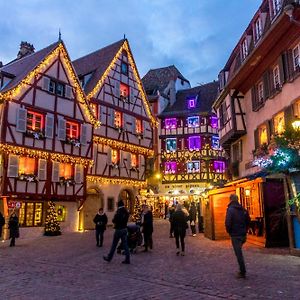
[{"x": 107, "y": 180}]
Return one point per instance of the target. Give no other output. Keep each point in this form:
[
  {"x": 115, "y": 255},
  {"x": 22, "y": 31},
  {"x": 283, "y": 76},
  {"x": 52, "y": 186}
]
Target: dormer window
[
  {"x": 244, "y": 49},
  {"x": 192, "y": 102},
  {"x": 257, "y": 29},
  {"x": 124, "y": 68}
]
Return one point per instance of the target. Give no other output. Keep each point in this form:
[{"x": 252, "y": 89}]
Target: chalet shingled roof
[
  {"x": 96, "y": 63},
  {"x": 206, "y": 95},
  {"x": 158, "y": 79},
  {"x": 19, "y": 68}
]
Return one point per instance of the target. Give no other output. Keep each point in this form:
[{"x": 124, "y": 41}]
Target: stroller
[{"x": 134, "y": 239}]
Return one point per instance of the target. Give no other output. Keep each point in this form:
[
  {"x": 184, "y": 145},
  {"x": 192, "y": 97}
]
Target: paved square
[{"x": 70, "y": 266}]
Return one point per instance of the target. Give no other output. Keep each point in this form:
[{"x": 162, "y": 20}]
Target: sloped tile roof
[
  {"x": 158, "y": 79},
  {"x": 207, "y": 93},
  {"x": 96, "y": 63},
  {"x": 19, "y": 68}
]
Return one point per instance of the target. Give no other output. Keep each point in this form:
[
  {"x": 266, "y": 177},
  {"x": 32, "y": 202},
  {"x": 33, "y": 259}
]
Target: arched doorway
[{"x": 128, "y": 199}]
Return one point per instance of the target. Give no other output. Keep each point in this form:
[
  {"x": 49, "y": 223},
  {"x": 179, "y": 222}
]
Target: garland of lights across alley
[{"x": 107, "y": 180}]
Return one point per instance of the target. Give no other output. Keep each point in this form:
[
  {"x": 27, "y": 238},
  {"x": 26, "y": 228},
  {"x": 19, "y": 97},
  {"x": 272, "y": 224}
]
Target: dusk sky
[{"x": 197, "y": 36}]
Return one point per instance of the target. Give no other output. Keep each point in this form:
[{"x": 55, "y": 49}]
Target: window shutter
[
  {"x": 13, "y": 166},
  {"x": 133, "y": 124},
  {"x": 46, "y": 83},
  {"x": 125, "y": 120},
  {"x": 281, "y": 69},
  {"x": 109, "y": 157},
  {"x": 68, "y": 91},
  {"x": 61, "y": 129},
  {"x": 144, "y": 127},
  {"x": 266, "y": 83},
  {"x": 111, "y": 117},
  {"x": 128, "y": 160},
  {"x": 288, "y": 116},
  {"x": 271, "y": 127},
  {"x": 117, "y": 88},
  {"x": 83, "y": 134},
  {"x": 271, "y": 81},
  {"x": 289, "y": 65},
  {"x": 78, "y": 173},
  {"x": 256, "y": 140},
  {"x": 55, "y": 171},
  {"x": 42, "y": 170},
  {"x": 132, "y": 97},
  {"x": 121, "y": 158},
  {"x": 21, "y": 119},
  {"x": 103, "y": 115},
  {"x": 49, "y": 128},
  {"x": 268, "y": 131},
  {"x": 254, "y": 98}
]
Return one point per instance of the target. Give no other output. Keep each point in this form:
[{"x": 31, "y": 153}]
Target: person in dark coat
[
  {"x": 200, "y": 218},
  {"x": 236, "y": 223},
  {"x": 171, "y": 212},
  {"x": 193, "y": 216},
  {"x": 100, "y": 221},
  {"x": 147, "y": 224},
  {"x": 120, "y": 221},
  {"x": 179, "y": 220},
  {"x": 13, "y": 225},
  {"x": 2, "y": 223}
]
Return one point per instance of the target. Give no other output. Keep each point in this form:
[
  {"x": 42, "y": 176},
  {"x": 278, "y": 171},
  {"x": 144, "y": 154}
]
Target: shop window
[
  {"x": 193, "y": 122},
  {"x": 257, "y": 29},
  {"x": 115, "y": 156},
  {"x": 244, "y": 49},
  {"x": 171, "y": 123},
  {"x": 124, "y": 68},
  {"x": 194, "y": 143},
  {"x": 170, "y": 167},
  {"x": 66, "y": 171},
  {"x": 138, "y": 126},
  {"x": 214, "y": 122},
  {"x": 72, "y": 130},
  {"x": 215, "y": 142},
  {"x": 124, "y": 91},
  {"x": 193, "y": 166},
  {"x": 262, "y": 135},
  {"x": 296, "y": 59},
  {"x": 279, "y": 124},
  {"x": 35, "y": 121},
  {"x": 27, "y": 166},
  {"x": 191, "y": 103},
  {"x": 31, "y": 214},
  {"x": 118, "y": 119},
  {"x": 134, "y": 161},
  {"x": 171, "y": 145},
  {"x": 219, "y": 166}
]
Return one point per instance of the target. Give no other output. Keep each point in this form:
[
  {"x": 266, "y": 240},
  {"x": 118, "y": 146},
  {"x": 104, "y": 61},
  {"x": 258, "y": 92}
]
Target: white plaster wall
[
  {"x": 179, "y": 86},
  {"x": 72, "y": 217}
]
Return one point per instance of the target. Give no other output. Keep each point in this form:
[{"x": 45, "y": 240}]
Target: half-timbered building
[
  {"x": 124, "y": 141},
  {"x": 45, "y": 137}
]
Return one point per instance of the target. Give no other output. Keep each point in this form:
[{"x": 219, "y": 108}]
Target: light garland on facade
[
  {"x": 107, "y": 180},
  {"x": 123, "y": 146},
  {"x": 9, "y": 149},
  {"x": 72, "y": 160},
  {"x": 95, "y": 90},
  {"x": 14, "y": 92}
]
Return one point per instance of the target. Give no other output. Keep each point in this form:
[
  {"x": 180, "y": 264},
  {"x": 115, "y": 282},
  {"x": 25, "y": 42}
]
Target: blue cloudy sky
[{"x": 195, "y": 35}]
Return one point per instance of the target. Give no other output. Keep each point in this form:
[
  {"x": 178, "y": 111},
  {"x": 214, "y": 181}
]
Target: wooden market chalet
[{"x": 52, "y": 148}]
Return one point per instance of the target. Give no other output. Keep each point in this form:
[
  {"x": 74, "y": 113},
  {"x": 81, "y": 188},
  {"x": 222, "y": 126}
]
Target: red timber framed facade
[
  {"x": 124, "y": 140},
  {"x": 46, "y": 138},
  {"x": 259, "y": 98}
]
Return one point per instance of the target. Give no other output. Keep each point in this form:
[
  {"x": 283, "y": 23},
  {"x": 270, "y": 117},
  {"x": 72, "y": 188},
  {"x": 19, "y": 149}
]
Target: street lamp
[{"x": 289, "y": 10}]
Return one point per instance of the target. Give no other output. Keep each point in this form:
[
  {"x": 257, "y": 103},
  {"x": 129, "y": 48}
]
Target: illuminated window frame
[
  {"x": 134, "y": 160},
  {"x": 138, "y": 126},
  {"x": 262, "y": 135},
  {"x": 215, "y": 142},
  {"x": 193, "y": 121},
  {"x": 27, "y": 165},
  {"x": 66, "y": 171},
  {"x": 35, "y": 121},
  {"x": 115, "y": 156},
  {"x": 34, "y": 219},
  {"x": 276, "y": 76},
  {"x": 219, "y": 166},
  {"x": 193, "y": 166},
  {"x": 279, "y": 123},
  {"x": 244, "y": 49},
  {"x": 258, "y": 29},
  {"x": 170, "y": 123},
  {"x": 124, "y": 90},
  {"x": 72, "y": 130},
  {"x": 192, "y": 102},
  {"x": 118, "y": 122},
  {"x": 172, "y": 142},
  {"x": 194, "y": 143},
  {"x": 94, "y": 109},
  {"x": 124, "y": 68},
  {"x": 170, "y": 167}
]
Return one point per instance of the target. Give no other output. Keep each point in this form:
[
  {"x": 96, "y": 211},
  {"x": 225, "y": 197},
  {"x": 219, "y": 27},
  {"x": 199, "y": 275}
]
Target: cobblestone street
[{"x": 71, "y": 267}]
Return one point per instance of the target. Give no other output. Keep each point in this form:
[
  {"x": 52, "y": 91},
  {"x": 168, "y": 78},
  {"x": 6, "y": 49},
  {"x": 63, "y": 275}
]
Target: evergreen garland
[{"x": 52, "y": 227}]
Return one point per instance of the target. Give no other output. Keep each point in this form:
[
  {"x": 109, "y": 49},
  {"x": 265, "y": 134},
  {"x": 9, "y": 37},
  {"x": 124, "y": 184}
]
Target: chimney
[
  {"x": 25, "y": 49},
  {"x": 1, "y": 64}
]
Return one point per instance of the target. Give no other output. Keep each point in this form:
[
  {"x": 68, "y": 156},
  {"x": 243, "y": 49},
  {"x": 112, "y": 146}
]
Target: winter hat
[{"x": 120, "y": 203}]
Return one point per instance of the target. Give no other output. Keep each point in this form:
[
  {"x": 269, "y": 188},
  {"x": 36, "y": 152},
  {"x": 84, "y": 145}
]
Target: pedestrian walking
[
  {"x": 100, "y": 221},
  {"x": 180, "y": 225},
  {"x": 200, "y": 218},
  {"x": 120, "y": 221},
  {"x": 2, "y": 223},
  {"x": 13, "y": 225},
  {"x": 147, "y": 224},
  {"x": 171, "y": 212},
  {"x": 193, "y": 216},
  {"x": 236, "y": 223}
]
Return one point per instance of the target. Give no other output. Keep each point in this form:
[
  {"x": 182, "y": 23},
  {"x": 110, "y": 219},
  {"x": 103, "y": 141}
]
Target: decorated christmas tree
[
  {"x": 136, "y": 217},
  {"x": 51, "y": 225}
]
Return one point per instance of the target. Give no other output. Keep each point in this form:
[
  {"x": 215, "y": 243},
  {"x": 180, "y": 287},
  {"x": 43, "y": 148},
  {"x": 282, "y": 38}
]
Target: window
[
  {"x": 219, "y": 166},
  {"x": 138, "y": 126},
  {"x": 194, "y": 143},
  {"x": 72, "y": 130},
  {"x": 276, "y": 6},
  {"x": 124, "y": 68},
  {"x": 193, "y": 121},
  {"x": 118, "y": 119},
  {"x": 124, "y": 91},
  {"x": 134, "y": 161},
  {"x": 244, "y": 49},
  {"x": 191, "y": 103},
  {"x": 110, "y": 203},
  {"x": 279, "y": 124},
  {"x": 170, "y": 167},
  {"x": 171, "y": 123},
  {"x": 276, "y": 77},
  {"x": 214, "y": 122},
  {"x": 193, "y": 166},
  {"x": 94, "y": 109},
  {"x": 215, "y": 142},
  {"x": 257, "y": 29},
  {"x": 31, "y": 214},
  {"x": 223, "y": 114},
  {"x": 262, "y": 135},
  {"x": 296, "y": 57},
  {"x": 115, "y": 156},
  {"x": 237, "y": 152},
  {"x": 27, "y": 165},
  {"x": 171, "y": 145},
  {"x": 60, "y": 89},
  {"x": 66, "y": 171},
  {"x": 260, "y": 91},
  {"x": 35, "y": 121},
  {"x": 52, "y": 86}
]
